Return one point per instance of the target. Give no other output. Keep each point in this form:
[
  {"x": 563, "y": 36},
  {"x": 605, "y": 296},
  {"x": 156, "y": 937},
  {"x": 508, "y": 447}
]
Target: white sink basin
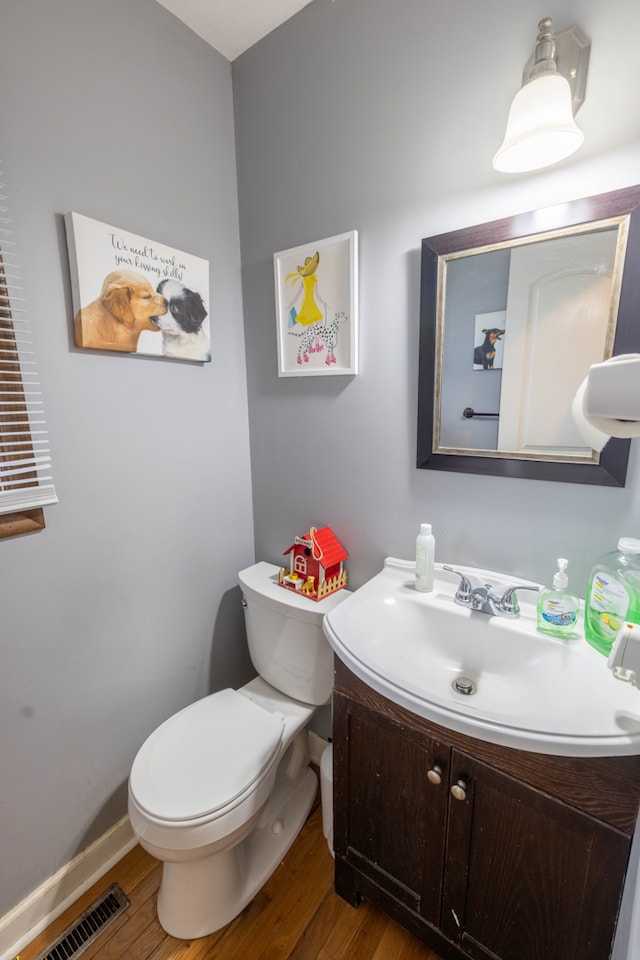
[{"x": 531, "y": 691}]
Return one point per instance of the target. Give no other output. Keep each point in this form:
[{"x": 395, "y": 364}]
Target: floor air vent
[{"x": 82, "y": 932}]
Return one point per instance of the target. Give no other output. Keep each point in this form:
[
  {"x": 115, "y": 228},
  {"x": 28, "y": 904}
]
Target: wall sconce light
[{"x": 541, "y": 129}]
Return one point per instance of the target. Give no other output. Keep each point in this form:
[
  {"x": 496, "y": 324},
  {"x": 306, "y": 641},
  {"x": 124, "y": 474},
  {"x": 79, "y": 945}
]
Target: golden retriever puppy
[{"x": 127, "y": 305}]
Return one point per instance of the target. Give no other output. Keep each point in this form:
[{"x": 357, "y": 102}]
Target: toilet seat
[{"x": 202, "y": 759}]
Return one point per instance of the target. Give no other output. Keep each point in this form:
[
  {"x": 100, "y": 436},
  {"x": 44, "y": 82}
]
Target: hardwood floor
[{"x": 296, "y": 916}]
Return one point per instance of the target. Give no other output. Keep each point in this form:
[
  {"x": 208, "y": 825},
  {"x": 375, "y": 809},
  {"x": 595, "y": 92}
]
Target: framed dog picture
[
  {"x": 488, "y": 346},
  {"x": 133, "y": 295},
  {"x": 317, "y": 307}
]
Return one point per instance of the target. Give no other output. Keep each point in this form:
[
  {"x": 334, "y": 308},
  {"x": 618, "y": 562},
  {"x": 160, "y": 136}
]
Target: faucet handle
[
  {"x": 465, "y": 587},
  {"x": 508, "y": 603}
]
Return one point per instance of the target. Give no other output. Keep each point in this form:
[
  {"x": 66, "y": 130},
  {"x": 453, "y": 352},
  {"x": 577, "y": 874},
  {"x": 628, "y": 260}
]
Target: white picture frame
[{"x": 316, "y": 287}]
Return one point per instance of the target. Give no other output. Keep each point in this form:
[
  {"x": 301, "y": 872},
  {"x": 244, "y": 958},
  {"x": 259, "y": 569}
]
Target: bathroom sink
[{"x": 527, "y": 690}]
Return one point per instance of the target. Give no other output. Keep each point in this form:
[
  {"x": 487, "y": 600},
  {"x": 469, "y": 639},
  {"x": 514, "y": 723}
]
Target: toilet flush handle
[{"x": 244, "y": 603}]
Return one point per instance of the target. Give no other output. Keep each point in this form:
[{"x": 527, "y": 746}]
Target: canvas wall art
[
  {"x": 317, "y": 307},
  {"x": 134, "y": 295}
]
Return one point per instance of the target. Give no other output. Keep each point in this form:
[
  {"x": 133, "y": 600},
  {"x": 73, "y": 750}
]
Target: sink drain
[{"x": 464, "y": 685}]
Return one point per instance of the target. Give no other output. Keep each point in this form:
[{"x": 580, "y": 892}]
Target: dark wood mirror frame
[{"x": 612, "y": 467}]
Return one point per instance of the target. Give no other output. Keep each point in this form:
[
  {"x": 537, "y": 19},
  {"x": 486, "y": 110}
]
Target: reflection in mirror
[
  {"x": 511, "y": 320},
  {"x": 537, "y": 315}
]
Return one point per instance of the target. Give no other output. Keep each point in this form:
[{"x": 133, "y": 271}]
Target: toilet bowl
[{"x": 221, "y": 789}]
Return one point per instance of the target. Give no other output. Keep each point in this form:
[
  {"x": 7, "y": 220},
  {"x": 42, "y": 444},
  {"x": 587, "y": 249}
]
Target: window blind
[{"x": 26, "y": 482}]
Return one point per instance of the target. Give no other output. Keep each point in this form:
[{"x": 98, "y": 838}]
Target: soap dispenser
[
  {"x": 425, "y": 548},
  {"x": 557, "y": 609}
]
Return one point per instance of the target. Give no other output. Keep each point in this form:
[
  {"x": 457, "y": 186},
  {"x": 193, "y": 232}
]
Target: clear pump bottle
[
  {"x": 557, "y": 609},
  {"x": 613, "y": 594}
]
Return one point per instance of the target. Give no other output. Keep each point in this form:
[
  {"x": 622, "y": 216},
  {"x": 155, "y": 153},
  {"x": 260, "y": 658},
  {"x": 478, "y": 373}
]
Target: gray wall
[
  {"x": 481, "y": 288},
  {"x": 384, "y": 117},
  {"x": 125, "y": 608}
]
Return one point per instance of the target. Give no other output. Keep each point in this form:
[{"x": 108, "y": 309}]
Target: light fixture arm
[
  {"x": 566, "y": 53},
  {"x": 544, "y": 58}
]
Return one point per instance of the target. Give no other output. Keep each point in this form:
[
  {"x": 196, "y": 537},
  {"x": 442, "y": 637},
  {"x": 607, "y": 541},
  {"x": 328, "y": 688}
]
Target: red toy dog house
[{"x": 316, "y": 564}]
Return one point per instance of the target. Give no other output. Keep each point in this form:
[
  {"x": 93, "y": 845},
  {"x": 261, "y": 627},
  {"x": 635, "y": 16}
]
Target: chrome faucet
[{"x": 481, "y": 597}]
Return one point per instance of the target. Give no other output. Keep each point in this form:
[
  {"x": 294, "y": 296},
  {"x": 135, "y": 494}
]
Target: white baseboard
[{"x": 50, "y": 899}]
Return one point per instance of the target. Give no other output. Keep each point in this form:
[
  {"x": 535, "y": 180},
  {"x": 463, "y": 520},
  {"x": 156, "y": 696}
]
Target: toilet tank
[{"x": 284, "y": 634}]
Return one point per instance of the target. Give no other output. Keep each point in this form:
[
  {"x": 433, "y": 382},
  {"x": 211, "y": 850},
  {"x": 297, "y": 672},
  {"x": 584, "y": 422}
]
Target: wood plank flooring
[{"x": 296, "y": 916}]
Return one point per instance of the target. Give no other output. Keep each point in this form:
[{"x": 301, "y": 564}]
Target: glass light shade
[{"x": 540, "y": 129}]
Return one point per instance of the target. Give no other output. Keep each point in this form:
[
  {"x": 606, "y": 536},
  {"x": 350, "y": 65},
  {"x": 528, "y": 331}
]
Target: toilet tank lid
[
  {"x": 260, "y": 581},
  {"x": 206, "y": 756}
]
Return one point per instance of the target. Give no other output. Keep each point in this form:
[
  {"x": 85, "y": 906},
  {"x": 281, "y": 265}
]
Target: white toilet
[{"x": 221, "y": 789}]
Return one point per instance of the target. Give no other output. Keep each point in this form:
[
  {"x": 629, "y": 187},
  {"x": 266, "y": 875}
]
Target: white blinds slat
[
  {"x": 28, "y": 462},
  {"x": 27, "y": 498}
]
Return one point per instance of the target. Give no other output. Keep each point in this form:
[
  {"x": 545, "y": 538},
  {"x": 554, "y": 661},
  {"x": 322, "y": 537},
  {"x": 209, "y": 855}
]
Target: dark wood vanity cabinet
[{"x": 482, "y": 851}]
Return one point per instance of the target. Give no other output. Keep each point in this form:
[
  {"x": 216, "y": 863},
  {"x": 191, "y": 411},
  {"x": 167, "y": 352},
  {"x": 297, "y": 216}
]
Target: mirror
[{"x": 512, "y": 315}]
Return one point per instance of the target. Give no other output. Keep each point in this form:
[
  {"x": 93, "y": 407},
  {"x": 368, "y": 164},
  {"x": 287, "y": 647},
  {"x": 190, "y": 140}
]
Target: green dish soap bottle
[
  {"x": 557, "y": 609},
  {"x": 613, "y": 594}
]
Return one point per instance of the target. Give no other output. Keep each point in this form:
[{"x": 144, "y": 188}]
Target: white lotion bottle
[{"x": 425, "y": 551}]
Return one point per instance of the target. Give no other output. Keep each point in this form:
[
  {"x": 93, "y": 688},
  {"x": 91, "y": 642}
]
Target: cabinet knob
[
  {"x": 459, "y": 790},
  {"x": 435, "y": 774}
]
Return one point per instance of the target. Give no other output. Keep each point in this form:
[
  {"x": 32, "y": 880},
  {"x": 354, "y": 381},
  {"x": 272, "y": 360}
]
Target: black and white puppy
[{"x": 181, "y": 326}]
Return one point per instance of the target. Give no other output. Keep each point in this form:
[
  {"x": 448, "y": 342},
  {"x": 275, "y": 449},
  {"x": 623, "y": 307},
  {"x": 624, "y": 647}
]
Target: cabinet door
[
  {"x": 389, "y": 815},
  {"x": 527, "y": 877}
]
